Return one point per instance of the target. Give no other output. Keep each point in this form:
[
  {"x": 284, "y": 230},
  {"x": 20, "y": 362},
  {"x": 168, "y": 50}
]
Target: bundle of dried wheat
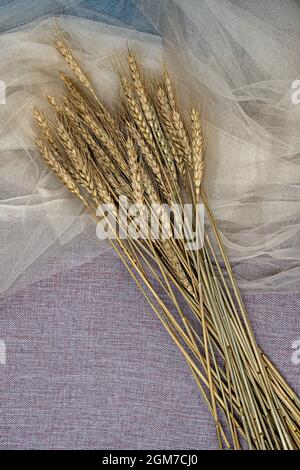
[{"x": 143, "y": 152}]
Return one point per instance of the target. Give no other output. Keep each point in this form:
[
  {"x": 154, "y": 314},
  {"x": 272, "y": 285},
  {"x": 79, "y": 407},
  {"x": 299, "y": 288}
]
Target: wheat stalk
[
  {"x": 135, "y": 170},
  {"x": 66, "y": 53},
  {"x": 141, "y": 155},
  {"x": 182, "y": 137},
  {"x": 175, "y": 145},
  {"x": 197, "y": 150}
]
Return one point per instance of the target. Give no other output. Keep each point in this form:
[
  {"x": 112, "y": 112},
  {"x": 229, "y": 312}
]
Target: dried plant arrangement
[{"x": 144, "y": 152}]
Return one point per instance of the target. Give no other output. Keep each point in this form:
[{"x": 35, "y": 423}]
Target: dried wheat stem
[
  {"x": 80, "y": 164},
  {"x": 166, "y": 244},
  {"x": 102, "y": 135},
  {"x": 136, "y": 113},
  {"x": 174, "y": 142},
  {"x": 57, "y": 167},
  {"x": 65, "y": 51},
  {"x": 179, "y": 128},
  {"x": 139, "y": 87},
  {"x": 70, "y": 86},
  {"x": 150, "y": 188},
  {"x": 135, "y": 170},
  {"x": 164, "y": 148},
  {"x": 97, "y": 162},
  {"x": 100, "y": 156},
  {"x": 57, "y": 108},
  {"x": 175, "y": 265},
  {"x": 157, "y": 209},
  {"x": 45, "y": 127},
  {"x": 149, "y": 113},
  {"x": 197, "y": 150},
  {"x": 169, "y": 89},
  {"x": 77, "y": 95},
  {"x": 182, "y": 137},
  {"x": 149, "y": 157}
]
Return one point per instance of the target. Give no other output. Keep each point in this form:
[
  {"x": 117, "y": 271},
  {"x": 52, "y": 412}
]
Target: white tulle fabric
[{"x": 238, "y": 59}]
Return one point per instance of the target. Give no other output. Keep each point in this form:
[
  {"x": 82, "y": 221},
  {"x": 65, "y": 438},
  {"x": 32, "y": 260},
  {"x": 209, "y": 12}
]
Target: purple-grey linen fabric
[{"x": 88, "y": 366}]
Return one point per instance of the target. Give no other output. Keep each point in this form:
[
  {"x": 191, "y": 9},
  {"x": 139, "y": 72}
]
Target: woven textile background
[{"x": 89, "y": 366}]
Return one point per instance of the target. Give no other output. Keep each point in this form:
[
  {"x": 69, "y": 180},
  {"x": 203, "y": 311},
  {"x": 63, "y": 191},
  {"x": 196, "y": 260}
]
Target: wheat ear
[
  {"x": 45, "y": 127},
  {"x": 57, "y": 167},
  {"x": 179, "y": 128},
  {"x": 149, "y": 113},
  {"x": 70, "y": 60},
  {"x": 135, "y": 170},
  {"x": 197, "y": 150},
  {"x": 174, "y": 141}
]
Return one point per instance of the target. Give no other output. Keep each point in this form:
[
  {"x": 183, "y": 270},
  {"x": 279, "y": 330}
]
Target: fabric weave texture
[{"x": 89, "y": 366}]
